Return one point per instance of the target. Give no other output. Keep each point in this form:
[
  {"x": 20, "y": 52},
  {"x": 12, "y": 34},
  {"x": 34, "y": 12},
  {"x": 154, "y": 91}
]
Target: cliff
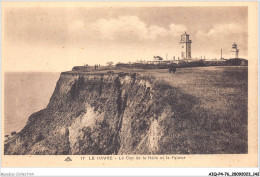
[{"x": 114, "y": 113}]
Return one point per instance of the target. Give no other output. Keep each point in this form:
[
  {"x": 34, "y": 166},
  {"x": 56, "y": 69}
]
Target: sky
[{"x": 56, "y": 38}]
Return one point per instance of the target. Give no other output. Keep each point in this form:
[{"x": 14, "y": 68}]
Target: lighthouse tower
[
  {"x": 185, "y": 46},
  {"x": 234, "y": 51}
]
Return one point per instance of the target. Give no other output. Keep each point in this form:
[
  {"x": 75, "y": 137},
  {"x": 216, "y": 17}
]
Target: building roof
[
  {"x": 185, "y": 34},
  {"x": 234, "y": 45}
]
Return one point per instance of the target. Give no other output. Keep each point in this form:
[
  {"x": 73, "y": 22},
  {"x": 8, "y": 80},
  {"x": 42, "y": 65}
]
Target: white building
[
  {"x": 234, "y": 51},
  {"x": 185, "y": 46}
]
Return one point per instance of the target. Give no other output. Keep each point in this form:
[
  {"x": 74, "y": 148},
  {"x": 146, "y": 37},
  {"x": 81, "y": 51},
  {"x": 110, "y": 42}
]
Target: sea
[{"x": 24, "y": 94}]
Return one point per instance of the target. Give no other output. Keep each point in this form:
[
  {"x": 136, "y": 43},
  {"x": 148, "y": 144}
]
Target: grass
[{"x": 220, "y": 107}]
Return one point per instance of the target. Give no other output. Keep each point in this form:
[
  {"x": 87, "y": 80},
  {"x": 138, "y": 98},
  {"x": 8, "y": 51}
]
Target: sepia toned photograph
[{"x": 125, "y": 80}]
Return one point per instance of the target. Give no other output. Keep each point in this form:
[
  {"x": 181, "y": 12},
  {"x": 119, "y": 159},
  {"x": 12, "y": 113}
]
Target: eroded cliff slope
[{"x": 114, "y": 113}]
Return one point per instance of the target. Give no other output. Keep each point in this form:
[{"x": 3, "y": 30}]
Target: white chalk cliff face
[{"x": 113, "y": 113}]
